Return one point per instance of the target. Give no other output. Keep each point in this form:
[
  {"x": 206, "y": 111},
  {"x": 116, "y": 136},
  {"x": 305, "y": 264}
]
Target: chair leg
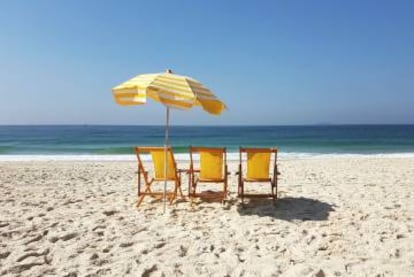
[
  {"x": 272, "y": 192},
  {"x": 192, "y": 195},
  {"x": 192, "y": 192},
  {"x": 276, "y": 187},
  {"x": 225, "y": 192},
  {"x": 172, "y": 198},
  {"x": 175, "y": 193},
  {"x": 139, "y": 200},
  {"x": 177, "y": 190},
  {"x": 141, "y": 195},
  {"x": 272, "y": 187},
  {"x": 242, "y": 191},
  {"x": 181, "y": 192},
  {"x": 189, "y": 185},
  {"x": 238, "y": 186},
  {"x": 194, "y": 188}
]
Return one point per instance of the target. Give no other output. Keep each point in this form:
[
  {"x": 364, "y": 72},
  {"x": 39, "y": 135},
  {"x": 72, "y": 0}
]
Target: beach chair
[
  {"x": 212, "y": 169},
  {"x": 258, "y": 165},
  {"x": 173, "y": 174}
]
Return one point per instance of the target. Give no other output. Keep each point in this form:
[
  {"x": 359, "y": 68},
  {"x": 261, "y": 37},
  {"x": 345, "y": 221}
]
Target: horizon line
[{"x": 209, "y": 125}]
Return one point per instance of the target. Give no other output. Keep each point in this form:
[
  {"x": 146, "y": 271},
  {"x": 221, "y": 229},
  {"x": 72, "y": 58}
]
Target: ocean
[{"x": 117, "y": 142}]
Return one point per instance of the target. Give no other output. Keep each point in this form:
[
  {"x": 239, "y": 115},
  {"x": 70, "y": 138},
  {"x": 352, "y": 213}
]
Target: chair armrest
[{"x": 191, "y": 172}]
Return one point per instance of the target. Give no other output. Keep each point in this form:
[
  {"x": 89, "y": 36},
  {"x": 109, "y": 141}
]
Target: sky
[{"x": 271, "y": 62}]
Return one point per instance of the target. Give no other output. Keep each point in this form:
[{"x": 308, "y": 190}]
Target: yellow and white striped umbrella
[{"x": 172, "y": 90}]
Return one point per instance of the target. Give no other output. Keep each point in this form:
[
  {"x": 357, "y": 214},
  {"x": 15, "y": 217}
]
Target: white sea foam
[{"x": 232, "y": 156}]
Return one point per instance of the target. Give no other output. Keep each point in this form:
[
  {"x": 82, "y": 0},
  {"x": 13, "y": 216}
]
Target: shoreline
[{"x": 181, "y": 157}]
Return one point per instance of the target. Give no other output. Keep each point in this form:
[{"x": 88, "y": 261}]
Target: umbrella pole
[{"x": 166, "y": 158}]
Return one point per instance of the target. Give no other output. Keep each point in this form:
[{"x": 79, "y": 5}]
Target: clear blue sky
[{"x": 272, "y": 62}]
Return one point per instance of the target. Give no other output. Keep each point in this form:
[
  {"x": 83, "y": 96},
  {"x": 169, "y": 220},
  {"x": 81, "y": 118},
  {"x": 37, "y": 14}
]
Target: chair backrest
[
  {"x": 158, "y": 159},
  {"x": 258, "y": 161},
  {"x": 212, "y": 162}
]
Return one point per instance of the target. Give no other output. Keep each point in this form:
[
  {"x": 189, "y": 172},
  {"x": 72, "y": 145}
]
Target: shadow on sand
[{"x": 287, "y": 208}]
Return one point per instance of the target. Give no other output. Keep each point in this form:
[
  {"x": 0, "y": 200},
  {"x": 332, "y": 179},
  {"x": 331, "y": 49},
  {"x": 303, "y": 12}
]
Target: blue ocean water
[{"x": 115, "y": 140}]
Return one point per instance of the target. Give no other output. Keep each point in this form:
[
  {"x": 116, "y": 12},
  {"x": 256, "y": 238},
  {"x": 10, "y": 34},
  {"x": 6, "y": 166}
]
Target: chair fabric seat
[
  {"x": 158, "y": 160},
  {"x": 258, "y": 166},
  {"x": 212, "y": 168}
]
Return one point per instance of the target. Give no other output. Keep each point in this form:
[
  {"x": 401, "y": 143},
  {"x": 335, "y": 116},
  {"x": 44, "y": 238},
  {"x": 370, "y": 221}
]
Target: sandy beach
[{"x": 336, "y": 216}]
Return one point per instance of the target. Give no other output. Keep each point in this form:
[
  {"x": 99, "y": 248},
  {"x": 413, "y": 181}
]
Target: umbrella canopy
[{"x": 171, "y": 90}]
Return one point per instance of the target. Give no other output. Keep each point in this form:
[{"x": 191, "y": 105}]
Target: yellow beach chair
[
  {"x": 158, "y": 158},
  {"x": 212, "y": 169},
  {"x": 258, "y": 165}
]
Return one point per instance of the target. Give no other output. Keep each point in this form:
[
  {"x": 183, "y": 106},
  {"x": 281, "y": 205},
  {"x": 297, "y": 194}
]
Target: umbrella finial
[{"x": 168, "y": 71}]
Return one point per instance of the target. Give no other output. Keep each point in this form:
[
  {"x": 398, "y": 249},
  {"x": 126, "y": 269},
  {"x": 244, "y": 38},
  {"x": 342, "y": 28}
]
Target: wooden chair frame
[
  {"x": 194, "y": 179},
  {"x": 172, "y": 195},
  {"x": 272, "y": 178}
]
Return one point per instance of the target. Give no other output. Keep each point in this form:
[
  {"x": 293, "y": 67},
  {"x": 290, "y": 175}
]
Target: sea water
[{"x": 89, "y": 142}]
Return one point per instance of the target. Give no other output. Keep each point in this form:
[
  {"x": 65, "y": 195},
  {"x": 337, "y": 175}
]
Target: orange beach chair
[
  {"x": 212, "y": 169},
  {"x": 258, "y": 165},
  {"x": 158, "y": 158}
]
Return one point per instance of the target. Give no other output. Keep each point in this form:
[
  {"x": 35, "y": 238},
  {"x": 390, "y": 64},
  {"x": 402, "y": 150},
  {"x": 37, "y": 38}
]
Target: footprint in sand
[
  {"x": 94, "y": 257},
  {"x": 148, "y": 271},
  {"x": 98, "y": 227},
  {"x": 53, "y": 239},
  {"x": 103, "y": 271},
  {"x": 99, "y": 262},
  {"x": 109, "y": 213},
  {"x": 23, "y": 267},
  {"x": 69, "y": 236},
  {"x": 126, "y": 244},
  {"x": 37, "y": 238},
  {"x": 4, "y": 255},
  {"x": 160, "y": 245},
  {"x": 182, "y": 251},
  {"x": 33, "y": 254}
]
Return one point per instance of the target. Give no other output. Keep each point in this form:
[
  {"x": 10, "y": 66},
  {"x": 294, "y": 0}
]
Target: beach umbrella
[{"x": 171, "y": 90}]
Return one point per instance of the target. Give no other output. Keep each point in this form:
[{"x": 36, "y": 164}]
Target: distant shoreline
[{"x": 181, "y": 157}]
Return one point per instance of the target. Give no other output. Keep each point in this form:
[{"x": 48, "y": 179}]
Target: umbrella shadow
[{"x": 288, "y": 208}]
